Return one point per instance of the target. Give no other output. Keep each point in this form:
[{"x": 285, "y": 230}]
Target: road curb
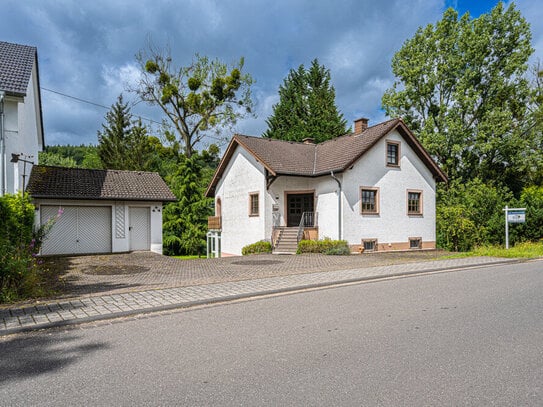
[{"x": 241, "y": 296}]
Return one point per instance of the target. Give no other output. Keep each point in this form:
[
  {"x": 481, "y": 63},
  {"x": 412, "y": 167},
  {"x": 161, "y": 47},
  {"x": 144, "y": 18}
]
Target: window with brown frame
[
  {"x": 393, "y": 154},
  {"x": 414, "y": 202},
  {"x": 369, "y": 200},
  {"x": 254, "y": 208},
  {"x": 415, "y": 243},
  {"x": 369, "y": 245}
]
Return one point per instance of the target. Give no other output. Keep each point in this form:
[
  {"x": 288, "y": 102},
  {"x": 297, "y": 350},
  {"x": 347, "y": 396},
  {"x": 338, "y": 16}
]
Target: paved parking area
[
  {"x": 136, "y": 271},
  {"x": 98, "y": 306}
]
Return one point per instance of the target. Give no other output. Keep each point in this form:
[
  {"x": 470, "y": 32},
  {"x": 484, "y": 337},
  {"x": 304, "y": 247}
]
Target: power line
[{"x": 93, "y": 103}]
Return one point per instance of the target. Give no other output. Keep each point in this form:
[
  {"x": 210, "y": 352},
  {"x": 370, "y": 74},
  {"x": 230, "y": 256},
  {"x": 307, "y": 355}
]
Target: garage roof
[{"x": 78, "y": 183}]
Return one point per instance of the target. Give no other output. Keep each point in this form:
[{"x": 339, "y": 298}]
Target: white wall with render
[
  {"x": 326, "y": 200},
  {"x": 243, "y": 175},
  {"x": 120, "y": 234},
  {"x": 23, "y": 134},
  {"x": 392, "y": 224}
]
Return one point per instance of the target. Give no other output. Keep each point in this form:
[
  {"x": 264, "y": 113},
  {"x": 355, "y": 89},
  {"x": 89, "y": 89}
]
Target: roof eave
[
  {"x": 42, "y": 133},
  {"x": 94, "y": 198},
  {"x": 415, "y": 144}
]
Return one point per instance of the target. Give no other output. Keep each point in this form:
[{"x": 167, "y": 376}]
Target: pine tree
[
  {"x": 185, "y": 221},
  {"x": 124, "y": 143},
  {"x": 306, "y": 107}
]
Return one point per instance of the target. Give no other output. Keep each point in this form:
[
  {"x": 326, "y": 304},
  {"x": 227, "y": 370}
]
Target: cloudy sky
[{"x": 86, "y": 48}]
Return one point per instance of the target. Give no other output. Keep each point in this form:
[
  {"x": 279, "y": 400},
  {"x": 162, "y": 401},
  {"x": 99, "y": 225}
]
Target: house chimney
[
  {"x": 360, "y": 125},
  {"x": 308, "y": 140}
]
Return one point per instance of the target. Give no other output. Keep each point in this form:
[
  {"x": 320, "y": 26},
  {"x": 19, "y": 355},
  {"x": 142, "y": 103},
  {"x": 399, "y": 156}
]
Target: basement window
[
  {"x": 369, "y": 245},
  {"x": 415, "y": 243}
]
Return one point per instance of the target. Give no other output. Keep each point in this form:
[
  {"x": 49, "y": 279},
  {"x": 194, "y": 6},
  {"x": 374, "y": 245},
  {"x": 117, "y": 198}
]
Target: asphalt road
[{"x": 459, "y": 338}]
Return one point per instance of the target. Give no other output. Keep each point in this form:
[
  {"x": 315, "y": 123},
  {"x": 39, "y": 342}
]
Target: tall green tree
[
  {"x": 199, "y": 100},
  {"x": 461, "y": 86},
  {"x": 123, "y": 142},
  {"x": 185, "y": 221},
  {"x": 535, "y": 131},
  {"x": 307, "y": 107}
]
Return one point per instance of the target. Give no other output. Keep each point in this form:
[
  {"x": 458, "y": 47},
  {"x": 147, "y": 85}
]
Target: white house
[
  {"x": 375, "y": 188},
  {"x": 98, "y": 211},
  {"x": 21, "y": 128}
]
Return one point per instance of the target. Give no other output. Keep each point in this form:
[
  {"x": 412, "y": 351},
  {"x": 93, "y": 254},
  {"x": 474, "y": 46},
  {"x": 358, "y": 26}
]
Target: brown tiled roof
[
  {"x": 78, "y": 183},
  {"x": 16, "y": 62},
  {"x": 340, "y": 153},
  {"x": 283, "y": 157},
  {"x": 313, "y": 160}
]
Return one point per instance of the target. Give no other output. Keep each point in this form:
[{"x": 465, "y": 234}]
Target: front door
[{"x": 297, "y": 204}]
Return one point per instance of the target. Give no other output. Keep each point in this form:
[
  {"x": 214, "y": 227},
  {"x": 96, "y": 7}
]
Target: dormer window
[{"x": 393, "y": 154}]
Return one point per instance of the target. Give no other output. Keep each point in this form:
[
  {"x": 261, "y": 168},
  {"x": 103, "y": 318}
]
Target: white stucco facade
[
  {"x": 392, "y": 227},
  {"x": 117, "y": 227},
  {"x": 245, "y": 176},
  {"x": 336, "y": 199},
  {"x": 22, "y": 134}
]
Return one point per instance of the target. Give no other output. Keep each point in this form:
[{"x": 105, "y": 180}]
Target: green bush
[
  {"x": 531, "y": 198},
  {"x": 256, "y": 248},
  {"x": 469, "y": 214},
  {"x": 325, "y": 246},
  {"x": 456, "y": 231},
  {"x": 20, "y": 271},
  {"x": 339, "y": 250},
  {"x": 308, "y": 246}
]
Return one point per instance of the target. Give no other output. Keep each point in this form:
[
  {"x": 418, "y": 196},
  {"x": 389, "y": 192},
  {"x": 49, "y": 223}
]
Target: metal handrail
[{"x": 307, "y": 221}]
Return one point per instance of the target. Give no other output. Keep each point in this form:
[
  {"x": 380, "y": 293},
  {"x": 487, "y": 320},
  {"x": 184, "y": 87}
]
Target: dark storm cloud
[{"x": 86, "y": 49}]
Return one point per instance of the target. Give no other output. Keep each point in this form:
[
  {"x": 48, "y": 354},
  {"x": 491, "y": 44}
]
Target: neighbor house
[
  {"x": 98, "y": 211},
  {"x": 374, "y": 188},
  {"x": 21, "y": 128}
]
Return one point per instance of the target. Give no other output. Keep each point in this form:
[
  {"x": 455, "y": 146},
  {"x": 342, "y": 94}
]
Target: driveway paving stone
[{"x": 94, "y": 291}]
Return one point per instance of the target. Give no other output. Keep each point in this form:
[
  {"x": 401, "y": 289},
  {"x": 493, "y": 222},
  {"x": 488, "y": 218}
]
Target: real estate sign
[
  {"x": 513, "y": 215},
  {"x": 516, "y": 216}
]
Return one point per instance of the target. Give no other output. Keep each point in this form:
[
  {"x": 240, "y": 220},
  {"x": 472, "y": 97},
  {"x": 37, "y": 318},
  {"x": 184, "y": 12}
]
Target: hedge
[
  {"x": 256, "y": 248},
  {"x": 325, "y": 246}
]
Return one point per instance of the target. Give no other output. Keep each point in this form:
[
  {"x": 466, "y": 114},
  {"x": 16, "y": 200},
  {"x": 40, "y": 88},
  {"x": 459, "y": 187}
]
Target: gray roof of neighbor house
[
  {"x": 79, "y": 183},
  {"x": 313, "y": 160},
  {"x": 16, "y": 62}
]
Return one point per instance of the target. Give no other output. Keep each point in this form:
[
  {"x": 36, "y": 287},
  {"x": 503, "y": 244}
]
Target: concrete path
[{"x": 93, "y": 308}]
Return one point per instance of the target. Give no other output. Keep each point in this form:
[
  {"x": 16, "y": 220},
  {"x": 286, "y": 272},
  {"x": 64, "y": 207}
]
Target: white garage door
[{"x": 78, "y": 230}]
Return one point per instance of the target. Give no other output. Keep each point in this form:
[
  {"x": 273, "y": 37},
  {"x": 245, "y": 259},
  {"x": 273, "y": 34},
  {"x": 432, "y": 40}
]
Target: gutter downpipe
[
  {"x": 338, "y": 204},
  {"x": 2, "y": 146}
]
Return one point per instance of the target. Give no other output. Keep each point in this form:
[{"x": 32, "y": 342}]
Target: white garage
[{"x": 98, "y": 211}]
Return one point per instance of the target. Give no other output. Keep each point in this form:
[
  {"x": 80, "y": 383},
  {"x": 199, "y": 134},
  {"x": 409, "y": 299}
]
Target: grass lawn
[{"x": 526, "y": 250}]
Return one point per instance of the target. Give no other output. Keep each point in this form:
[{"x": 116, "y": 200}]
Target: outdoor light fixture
[{"x": 15, "y": 158}]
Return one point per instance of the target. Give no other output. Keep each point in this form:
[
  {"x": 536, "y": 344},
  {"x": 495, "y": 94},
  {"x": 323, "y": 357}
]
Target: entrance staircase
[{"x": 287, "y": 241}]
